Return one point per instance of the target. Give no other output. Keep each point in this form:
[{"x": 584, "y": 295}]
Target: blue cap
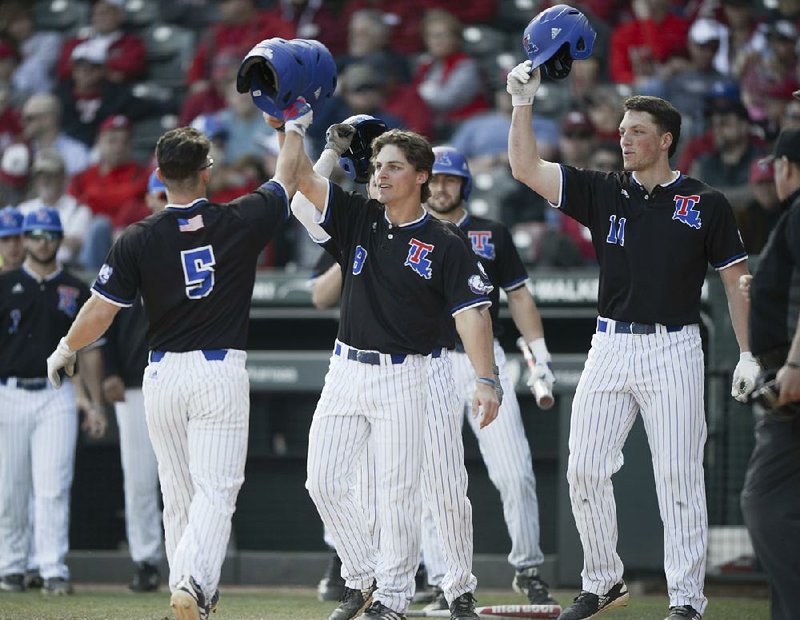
[
  {"x": 155, "y": 185},
  {"x": 10, "y": 222},
  {"x": 44, "y": 218}
]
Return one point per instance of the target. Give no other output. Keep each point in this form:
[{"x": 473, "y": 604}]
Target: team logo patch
[
  {"x": 418, "y": 259},
  {"x": 532, "y": 48},
  {"x": 105, "y": 273},
  {"x": 685, "y": 210},
  {"x": 479, "y": 283},
  {"x": 68, "y": 300},
  {"x": 482, "y": 243}
]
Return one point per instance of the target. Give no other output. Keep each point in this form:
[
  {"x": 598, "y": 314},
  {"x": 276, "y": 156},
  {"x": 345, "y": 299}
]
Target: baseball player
[
  {"x": 39, "y": 426},
  {"x": 503, "y": 445},
  {"x": 194, "y": 265},
  {"x": 125, "y": 357},
  {"x": 654, "y": 231},
  {"x": 12, "y": 252},
  {"x": 404, "y": 269}
]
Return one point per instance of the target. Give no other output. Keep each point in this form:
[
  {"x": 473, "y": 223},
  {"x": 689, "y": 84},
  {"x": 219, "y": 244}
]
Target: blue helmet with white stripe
[
  {"x": 321, "y": 68},
  {"x": 355, "y": 161},
  {"x": 43, "y": 219},
  {"x": 10, "y": 222},
  {"x": 448, "y": 160},
  {"x": 274, "y": 76},
  {"x": 556, "y": 37}
]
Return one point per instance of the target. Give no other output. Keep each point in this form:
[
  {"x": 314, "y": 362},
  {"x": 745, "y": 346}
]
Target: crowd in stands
[{"x": 86, "y": 88}]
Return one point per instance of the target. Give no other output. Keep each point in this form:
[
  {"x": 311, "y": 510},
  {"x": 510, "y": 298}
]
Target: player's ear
[
  {"x": 422, "y": 177},
  {"x": 159, "y": 176},
  {"x": 666, "y": 140}
]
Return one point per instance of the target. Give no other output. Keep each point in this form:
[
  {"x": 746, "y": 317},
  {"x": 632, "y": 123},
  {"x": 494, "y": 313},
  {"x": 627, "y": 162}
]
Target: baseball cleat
[
  {"x": 588, "y": 605},
  {"x": 57, "y": 586},
  {"x": 15, "y": 582},
  {"x": 683, "y": 612},
  {"x": 463, "y": 608},
  {"x": 528, "y": 583},
  {"x": 423, "y": 592},
  {"x": 331, "y": 586},
  {"x": 146, "y": 579},
  {"x": 189, "y": 603},
  {"x": 438, "y": 603},
  {"x": 33, "y": 580},
  {"x": 352, "y": 603},
  {"x": 379, "y": 611}
]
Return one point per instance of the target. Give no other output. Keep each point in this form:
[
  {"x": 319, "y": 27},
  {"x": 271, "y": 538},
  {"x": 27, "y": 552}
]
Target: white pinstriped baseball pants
[
  {"x": 383, "y": 406},
  {"x": 507, "y": 455},
  {"x": 198, "y": 419},
  {"x": 662, "y": 376},
  {"x": 38, "y": 432},
  {"x": 140, "y": 478}
]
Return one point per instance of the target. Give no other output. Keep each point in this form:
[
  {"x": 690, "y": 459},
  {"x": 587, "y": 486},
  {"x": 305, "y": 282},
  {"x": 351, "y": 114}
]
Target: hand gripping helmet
[
  {"x": 556, "y": 37},
  {"x": 274, "y": 74},
  {"x": 450, "y": 161},
  {"x": 321, "y": 70},
  {"x": 356, "y": 160}
]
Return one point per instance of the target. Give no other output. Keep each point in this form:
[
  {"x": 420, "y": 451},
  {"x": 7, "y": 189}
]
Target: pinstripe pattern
[
  {"x": 197, "y": 416},
  {"x": 383, "y": 405},
  {"x": 662, "y": 375},
  {"x": 38, "y": 431},
  {"x": 506, "y": 452},
  {"x": 444, "y": 486},
  {"x": 140, "y": 476}
]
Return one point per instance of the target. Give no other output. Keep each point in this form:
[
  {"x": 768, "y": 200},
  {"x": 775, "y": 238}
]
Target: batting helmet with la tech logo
[
  {"x": 556, "y": 37},
  {"x": 450, "y": 161}
]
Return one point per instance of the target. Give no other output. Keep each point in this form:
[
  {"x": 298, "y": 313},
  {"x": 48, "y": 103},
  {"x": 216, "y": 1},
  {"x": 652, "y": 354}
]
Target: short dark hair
[
  {"x": 664, "y": 114},
  {"x": 416, "y": 148},
  {"x": 181, "y": 153}
]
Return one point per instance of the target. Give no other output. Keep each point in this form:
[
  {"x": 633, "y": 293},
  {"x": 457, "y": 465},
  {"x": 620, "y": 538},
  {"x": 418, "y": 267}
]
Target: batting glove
[
  {"x": 298, "y": 117},
  {"x": 744, "y": 376},
  {"x": 62, "y": 357},
  {"x": 541, "y": 372},
  {"x": 522, "y": 84},
  {"x": 339, "y": 137}
]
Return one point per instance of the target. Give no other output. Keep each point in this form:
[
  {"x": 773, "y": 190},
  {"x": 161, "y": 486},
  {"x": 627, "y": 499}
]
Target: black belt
[
  {"x": 212, "y": 355},
  {"x": 635, "y": 328},
  {"x": 374, "y": 357},
  {"x": 32, "y": 385}
]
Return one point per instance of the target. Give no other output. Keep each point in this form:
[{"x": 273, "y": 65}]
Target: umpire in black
[{"x": 771, "y": 495}]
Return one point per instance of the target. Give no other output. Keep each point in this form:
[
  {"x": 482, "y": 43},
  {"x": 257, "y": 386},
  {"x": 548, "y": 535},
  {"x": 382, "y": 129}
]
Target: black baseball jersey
[
  {"x": 491, "y": 242},
  {"x": 125, "y": 350},
  {"x": 195, "y": 268},
  {"x": 399, "y": 280},
  {"x": 653, "y": 249},
  {"x": 775, "y": 290},
  {"x": 34, "y": 315}
]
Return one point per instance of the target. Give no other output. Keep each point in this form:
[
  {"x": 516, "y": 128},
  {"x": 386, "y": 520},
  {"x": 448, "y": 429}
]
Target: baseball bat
[
  {"x": 542, "y": 393},
  {"x": 498, "y": 612}
]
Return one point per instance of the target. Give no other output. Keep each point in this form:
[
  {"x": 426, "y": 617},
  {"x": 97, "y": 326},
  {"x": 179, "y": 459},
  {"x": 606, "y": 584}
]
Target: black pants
[{"x": 770, "y": 504}]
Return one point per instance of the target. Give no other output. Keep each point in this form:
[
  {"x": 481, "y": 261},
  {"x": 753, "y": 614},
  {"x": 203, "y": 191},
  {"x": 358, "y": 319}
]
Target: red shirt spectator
[
  {"x": 212, "y": 98},
  {"x": 125, "y": 53},
  {"x": 653, "y": 38},
  {"x": 468, "y": 11},
  {"x": 306, "y": 19},
  {"x": 116, "y": 185}
]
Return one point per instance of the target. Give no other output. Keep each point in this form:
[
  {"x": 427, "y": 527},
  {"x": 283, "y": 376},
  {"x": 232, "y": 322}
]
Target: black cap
[{"x": 787, "y": 145}]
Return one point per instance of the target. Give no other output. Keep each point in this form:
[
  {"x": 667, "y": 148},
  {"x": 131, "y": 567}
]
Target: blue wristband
[{"x": 487, "y": 381}]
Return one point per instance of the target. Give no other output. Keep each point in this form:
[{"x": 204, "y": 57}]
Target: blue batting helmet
[
  {"x": 556, "y": 37},
  {"x": 273, "y": 74},
  {"x": 43, "y": 218},
  {"x": 10, "y": 222},
  {"x": 450, "y": 161},
  {"x": 356, "y": 160},
  {"x": 321, "y": 68}
]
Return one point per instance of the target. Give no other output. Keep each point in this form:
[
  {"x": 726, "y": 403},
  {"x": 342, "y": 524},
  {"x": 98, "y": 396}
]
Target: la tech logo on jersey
[
  {"x": 685, "y": 210},
  {"x": 482, "y": 243},
  {"x": 418, "y": 259}
]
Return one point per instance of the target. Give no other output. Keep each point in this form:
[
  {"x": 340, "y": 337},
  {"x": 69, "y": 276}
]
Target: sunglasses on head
[{"x": 47, "y": 235}]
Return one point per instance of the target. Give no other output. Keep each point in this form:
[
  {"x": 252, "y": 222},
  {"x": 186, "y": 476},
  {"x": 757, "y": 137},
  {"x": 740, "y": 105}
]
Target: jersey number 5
[
  {"x": 198, "y": 271},
  {"x": 616, "y": 234}
]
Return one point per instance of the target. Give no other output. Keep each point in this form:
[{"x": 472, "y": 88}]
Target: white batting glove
[
  {"x": 298, "y": 117},
  {"x": 522, "y": 84},
  {"x": 744, "y": 376},
  {"x": 62, "y": 357},
  {"x": 339, "y": 137},
  {"x": 541, "y": 372}
]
